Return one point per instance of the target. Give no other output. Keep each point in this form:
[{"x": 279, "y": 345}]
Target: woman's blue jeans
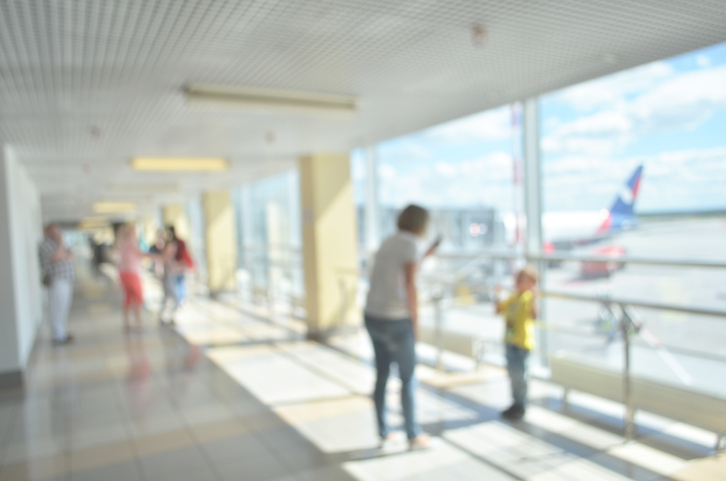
[{"x": 393, "y": 341}]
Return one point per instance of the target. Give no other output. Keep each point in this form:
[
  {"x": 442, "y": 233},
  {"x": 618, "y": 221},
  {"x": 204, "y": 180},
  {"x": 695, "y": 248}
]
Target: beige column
[
  {"x": 175, "y": 215},
  {"x": 330, "y": 256},
  {"x": 221, "y": 241}
]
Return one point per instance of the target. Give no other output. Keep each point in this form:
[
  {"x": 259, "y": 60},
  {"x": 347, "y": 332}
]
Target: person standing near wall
[
  {"x": 391, "y": 318},
  {"x": 59, "y": 273}
]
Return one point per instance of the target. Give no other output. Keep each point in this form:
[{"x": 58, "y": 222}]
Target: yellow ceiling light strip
[
  {"x": 93, "y": 223},
  {"x": 108, "y": 207},
  {"x": 94, "y": 220},
  {"x": 180, "y": 164}
]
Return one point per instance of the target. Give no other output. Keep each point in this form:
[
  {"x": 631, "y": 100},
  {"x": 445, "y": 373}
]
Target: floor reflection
[{"x": 229, "y": 396}]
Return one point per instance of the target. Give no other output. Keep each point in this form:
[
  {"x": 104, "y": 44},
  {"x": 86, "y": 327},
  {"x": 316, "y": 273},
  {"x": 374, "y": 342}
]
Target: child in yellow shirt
[{"x": 519, "y": 312}]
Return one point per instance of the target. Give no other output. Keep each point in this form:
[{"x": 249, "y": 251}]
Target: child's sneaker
[{"x": 513, "y": 413}]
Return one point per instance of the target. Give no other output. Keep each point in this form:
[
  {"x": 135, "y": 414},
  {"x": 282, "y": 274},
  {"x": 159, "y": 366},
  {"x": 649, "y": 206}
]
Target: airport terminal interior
[{"x": 199, "y": 199}]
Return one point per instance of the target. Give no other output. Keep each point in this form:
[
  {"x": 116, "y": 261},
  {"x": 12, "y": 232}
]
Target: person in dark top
[{"x": 183, "y": 259}]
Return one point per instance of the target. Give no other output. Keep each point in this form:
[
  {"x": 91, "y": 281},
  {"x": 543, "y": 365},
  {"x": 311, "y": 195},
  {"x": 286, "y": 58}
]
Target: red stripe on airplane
[
  {"x": 635, "y": 188},
  {"x": 607, "y": 223}
]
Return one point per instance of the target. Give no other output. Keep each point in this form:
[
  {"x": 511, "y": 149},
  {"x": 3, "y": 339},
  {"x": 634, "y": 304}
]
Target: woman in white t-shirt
[{"x": 391, "y": 317}]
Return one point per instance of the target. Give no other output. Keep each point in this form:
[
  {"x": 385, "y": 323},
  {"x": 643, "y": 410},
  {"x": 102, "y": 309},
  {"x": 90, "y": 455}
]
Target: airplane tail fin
[
  {"x": 621, "y": 214},
  {"x": 627, "y": 196}
]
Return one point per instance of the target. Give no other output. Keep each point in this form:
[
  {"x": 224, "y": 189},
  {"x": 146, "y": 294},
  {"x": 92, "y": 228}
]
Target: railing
[
  {"x": 619, "y": 307},
  {"x": 272, "y": 261},
  {"x": 627, "y": 325}
]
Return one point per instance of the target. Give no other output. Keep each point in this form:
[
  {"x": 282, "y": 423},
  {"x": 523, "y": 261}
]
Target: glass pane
[
  {"x": 634, "y": 165},
  {"x": 270, "y": 239}
]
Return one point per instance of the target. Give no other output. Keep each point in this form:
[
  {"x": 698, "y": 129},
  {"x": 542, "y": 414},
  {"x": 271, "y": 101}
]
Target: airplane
[{"x": 564, "y": 231}]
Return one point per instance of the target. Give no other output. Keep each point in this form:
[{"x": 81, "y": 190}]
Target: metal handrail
[
  {"x": 635, "y": 303},
  {"x": 267, "y": 247},
  {"x": 584, "y": 258},
  {"x": 590, "y": 298},
  {"x": 626, "y": 323},
  {"x": 631, "y": 260}
]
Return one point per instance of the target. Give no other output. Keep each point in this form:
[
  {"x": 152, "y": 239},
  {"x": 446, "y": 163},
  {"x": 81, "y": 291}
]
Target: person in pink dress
[{"x": 129, "y": 268}]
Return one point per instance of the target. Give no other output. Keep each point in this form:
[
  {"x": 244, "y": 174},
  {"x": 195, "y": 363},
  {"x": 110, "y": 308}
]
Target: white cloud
[
  {"x": 495, "y": 166},
  {"x": 703, "y": 61},
  {"x": 446, "y": 169},
  {"x": 359, "y": 170},
  {"x": 490, "y": 125},
  {"x": 680, "y": 103},
  {"x": 615, "y": 88},
  {"x": 577, "y": 164},
  {"x": 492, "y": 167},
  {"x": 685, "y": 101},
  {"x": 475, "y": 182},
  {"x": 600, "y": 133},
  {"x": 691, "y": 165},
  {"x": 684, "y": 179},
  {"x": 404, "y": 149},
  {"x": 387, "y": 172}
]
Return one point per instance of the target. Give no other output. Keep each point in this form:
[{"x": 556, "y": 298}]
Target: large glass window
[
  {"x": 466, "y": 172},
  {"x": 197, "y": 241},
  {"x": 269, "y": 237},
  {"x": 634, "y": 164},
  {"x": 463, "y": 171}
]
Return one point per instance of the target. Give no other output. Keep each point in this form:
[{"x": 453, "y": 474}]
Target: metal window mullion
[
  {"x": 372, "y": 204},
  {"x": 532, "y": 185}
]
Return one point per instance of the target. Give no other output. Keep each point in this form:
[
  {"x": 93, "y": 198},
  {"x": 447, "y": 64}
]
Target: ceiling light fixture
[
  {"x": 89, "y": 223},
  {"x": 143, "y": 188},
  {"x": 180, "y": 164},
  {"x": 109, "y": 207},
  {"x": 94, "y": 220},
  {"x": 270, "y": 99}
]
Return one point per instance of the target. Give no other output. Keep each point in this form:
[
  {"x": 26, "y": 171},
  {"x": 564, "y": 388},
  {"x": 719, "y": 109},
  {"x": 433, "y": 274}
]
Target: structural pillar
[
  {"x": 221, "y": 241},
  {"x": 329, "y": 242}
]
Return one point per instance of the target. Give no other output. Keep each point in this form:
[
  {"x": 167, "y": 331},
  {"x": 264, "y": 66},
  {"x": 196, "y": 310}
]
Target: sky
[{"x": 669, "y": 116}]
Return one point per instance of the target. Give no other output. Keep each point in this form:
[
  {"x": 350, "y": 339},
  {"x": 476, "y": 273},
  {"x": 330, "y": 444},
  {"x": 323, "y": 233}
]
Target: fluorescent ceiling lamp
[
  {"x": 92, "y": 223},
  {"x": 95, "y": 220},
  {"x": 143, "y": 188},
  {"x": 180, "y": 164},
  {"x": 268, "y": 99},
  {"x": 109, "y": 207}
]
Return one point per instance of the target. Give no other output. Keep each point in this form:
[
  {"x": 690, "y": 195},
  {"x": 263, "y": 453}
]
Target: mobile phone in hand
[{"x": 437, "y": 242}]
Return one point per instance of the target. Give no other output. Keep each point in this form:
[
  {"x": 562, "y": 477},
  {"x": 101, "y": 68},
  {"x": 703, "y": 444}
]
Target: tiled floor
[{"x": 230, "y": 396}]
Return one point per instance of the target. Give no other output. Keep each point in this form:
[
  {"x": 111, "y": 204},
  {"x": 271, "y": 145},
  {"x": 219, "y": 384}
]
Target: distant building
[{"x": 463, "y": 230}]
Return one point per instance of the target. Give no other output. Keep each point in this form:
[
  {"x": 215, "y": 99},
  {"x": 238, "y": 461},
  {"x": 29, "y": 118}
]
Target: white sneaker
[
  {"x": 422, "y": 441},
  {"x": 390, "y": 440}
]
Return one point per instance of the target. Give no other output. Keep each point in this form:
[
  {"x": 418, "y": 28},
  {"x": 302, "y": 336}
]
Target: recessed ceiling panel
[{"x": 87, "y": 85}]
